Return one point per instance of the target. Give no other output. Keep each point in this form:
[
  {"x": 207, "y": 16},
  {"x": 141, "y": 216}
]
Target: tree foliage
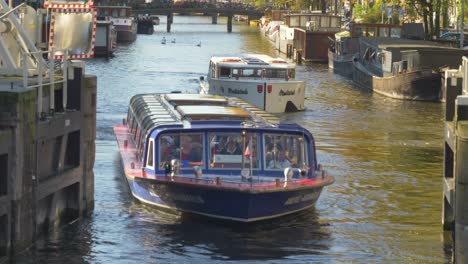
[{"x": 373, "y": 13}]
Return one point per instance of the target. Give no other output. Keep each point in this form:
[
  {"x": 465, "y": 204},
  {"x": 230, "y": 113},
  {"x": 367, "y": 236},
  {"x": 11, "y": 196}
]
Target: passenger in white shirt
[{"x": 281, "y": 161}]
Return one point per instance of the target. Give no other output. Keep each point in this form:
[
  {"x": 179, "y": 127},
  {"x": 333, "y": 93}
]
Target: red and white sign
[{"x": 74, "y": 30}]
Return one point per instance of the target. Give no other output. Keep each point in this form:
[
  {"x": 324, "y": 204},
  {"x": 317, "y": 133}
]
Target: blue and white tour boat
[{"x": 218, "y": 157}]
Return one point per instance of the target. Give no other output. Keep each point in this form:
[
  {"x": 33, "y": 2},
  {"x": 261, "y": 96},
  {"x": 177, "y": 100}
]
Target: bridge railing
[{"x": 185, "y": 5}]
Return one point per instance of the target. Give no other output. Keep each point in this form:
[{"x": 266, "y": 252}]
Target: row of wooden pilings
[{"x": 455, "y": 178}]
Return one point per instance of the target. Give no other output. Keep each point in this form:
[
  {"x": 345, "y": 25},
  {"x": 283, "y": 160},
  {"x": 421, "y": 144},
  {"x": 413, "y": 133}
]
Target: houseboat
[
  {"x": 345, "y": 45},
  {"x": 403, "y": 68},
  {"x": 145, "y": 24},
  {"x": 106, "y": 39},
  {"x": 266, "y": 82},
  {"x": 311, "y": 35},
  {"x": 123, "y": 20},
  {"x": 219, "y": 157}
]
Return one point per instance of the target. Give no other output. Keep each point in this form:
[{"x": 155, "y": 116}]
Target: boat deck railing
[{"x": 239, "y": 182}]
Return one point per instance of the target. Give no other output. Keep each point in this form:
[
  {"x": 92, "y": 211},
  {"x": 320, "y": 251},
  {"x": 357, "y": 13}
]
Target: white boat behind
[{"x": 266, "y": 82}]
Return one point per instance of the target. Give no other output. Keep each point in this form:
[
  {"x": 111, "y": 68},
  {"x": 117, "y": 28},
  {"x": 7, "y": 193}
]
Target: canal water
[{"x": 386, "y": 155}]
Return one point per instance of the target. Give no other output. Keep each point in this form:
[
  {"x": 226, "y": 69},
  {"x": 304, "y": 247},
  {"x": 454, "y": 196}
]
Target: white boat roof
[
  {"x": 152, "y": 110},
  {"x": 252, "y": 61},
  {"x": 191, "y": 99},
  {"x": 209, "y": 112}
]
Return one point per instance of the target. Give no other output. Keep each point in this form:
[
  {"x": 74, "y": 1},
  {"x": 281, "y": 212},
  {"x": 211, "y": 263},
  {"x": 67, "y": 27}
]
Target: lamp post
[{"x": 462, "y": 23}]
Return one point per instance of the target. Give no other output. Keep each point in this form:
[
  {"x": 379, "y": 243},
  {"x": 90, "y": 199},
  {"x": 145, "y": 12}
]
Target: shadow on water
[{"x": 293, "y": 235}]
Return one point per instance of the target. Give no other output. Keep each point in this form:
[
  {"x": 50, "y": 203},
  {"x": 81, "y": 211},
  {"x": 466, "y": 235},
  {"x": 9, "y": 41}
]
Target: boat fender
[
  {"x": 197, "y": 170},
  {"x": 288, "y": 174},
  {"x": 167, "y": 168},
  {"x": 175, "y": 166}
]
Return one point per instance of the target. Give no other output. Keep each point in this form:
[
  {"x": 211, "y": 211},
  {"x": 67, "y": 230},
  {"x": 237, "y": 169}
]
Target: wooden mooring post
[{"x": 455, "y": 198}]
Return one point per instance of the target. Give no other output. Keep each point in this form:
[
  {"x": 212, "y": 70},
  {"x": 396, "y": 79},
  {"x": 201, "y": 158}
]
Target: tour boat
[
  {"x": 266, "y": 82},
  {"x": 218, "y": 157}
]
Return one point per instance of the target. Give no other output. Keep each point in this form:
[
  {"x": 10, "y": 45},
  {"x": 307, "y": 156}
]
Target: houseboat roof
[
  {"x": 153, "y": 110},
  {"x": 114, "y": 7},
  {"x": 251, "y": 61},
  {"x": 385, "y": 43}
]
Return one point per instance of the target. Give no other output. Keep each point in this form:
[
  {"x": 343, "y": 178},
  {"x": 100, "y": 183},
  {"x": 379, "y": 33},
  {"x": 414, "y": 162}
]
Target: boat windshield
[
  {"x": 268, "y": 73},
  {"x": 233, "y": 151},
  {"x": 283, "y": 150},
  {"x": 187, "y": 148}
]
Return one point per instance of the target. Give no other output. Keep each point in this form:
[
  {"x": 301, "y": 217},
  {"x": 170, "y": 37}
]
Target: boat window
[
  {"x": 213, "y": 70},
  {"x": 232, "y": 151},
  {"x": 225, "y": 72},
  {"x": 395, "y": 32},
  {"x": 275, "y": 73},
  {"x": 187, "y": 148},
  {"x": 324, "y": 21},
  {"x": 282, "y": 151},
  {"x": 292, "y": 73},
  {"x": 384, "y": 32},
  {"x": 371, "y": 32},
  {"x": 235, "y": 72},
  {"x": 255, "y": 73},
  {"x": 150, "y": 155}
]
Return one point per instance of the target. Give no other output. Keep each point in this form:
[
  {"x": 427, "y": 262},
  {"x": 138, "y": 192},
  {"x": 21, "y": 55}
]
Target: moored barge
[{"x": 218, "y": 157}]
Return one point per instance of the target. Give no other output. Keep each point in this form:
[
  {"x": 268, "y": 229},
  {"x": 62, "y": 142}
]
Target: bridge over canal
[{"x": 214, "y": 10}]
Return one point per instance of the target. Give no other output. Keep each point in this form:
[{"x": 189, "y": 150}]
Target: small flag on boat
[{"x": 247, "y": 152}]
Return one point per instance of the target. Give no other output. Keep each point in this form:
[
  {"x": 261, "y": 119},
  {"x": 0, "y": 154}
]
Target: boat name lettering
[
  {"x": 302, "y": 198},
  {"x": 287, "y": 92},
  {"x": 187, "y": 198},
  {"x": 237, "y": 91}
]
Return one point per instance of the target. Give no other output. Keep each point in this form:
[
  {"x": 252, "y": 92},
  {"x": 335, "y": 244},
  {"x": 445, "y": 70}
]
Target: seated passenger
[
  {"x": 280, "y": 162},
  {"x": 231, "y": 148},
  {"x": 189, "y": 151}
]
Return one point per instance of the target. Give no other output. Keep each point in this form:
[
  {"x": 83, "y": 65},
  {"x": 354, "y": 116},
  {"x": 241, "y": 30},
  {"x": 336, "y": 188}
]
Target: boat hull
[
  {"x": 342, "y": 65},
  {"x": 274, "y": 97},
  {"x": 106, "y": 40},
  {"x": 418, "y": 85},
  {"x": 229, "y": 204},
  {"x": 126, "y": 35}
]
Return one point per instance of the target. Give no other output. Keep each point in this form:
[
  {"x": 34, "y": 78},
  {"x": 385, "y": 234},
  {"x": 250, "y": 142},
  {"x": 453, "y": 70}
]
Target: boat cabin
[
  {"x": 103, "y": 12},
  {"x": 390, "y": 56},
  {"x": 254, "y": 67},
  {"x": 215, "y": 135},
  {"x": 311, "y": 34},
  {"x": 347, "y": 42}
]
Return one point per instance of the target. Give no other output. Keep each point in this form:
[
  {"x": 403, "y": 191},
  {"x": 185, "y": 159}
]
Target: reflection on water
[{"x": 386, "y": 155}]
